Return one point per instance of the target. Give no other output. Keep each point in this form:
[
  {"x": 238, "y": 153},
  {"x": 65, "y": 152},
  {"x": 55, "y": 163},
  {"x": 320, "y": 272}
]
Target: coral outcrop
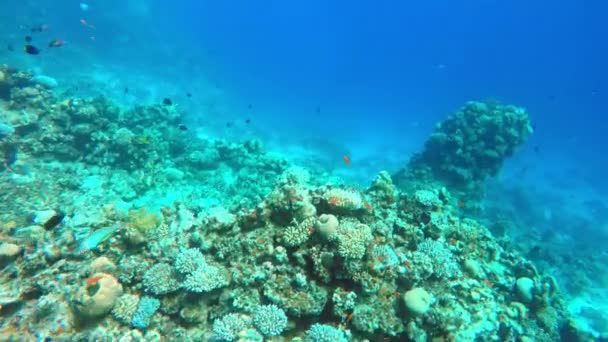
[{"x": 470, "y": 146}]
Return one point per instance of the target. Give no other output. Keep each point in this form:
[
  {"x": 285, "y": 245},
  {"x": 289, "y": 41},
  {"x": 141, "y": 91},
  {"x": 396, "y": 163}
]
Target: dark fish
[
  {"x": 126, "y": 90},
  {"x": 189, "y": 95},
  {"x": 10, "y": 155},
  {"x": 31, "y": 49},
  {"x": 28, "y": 39},
  {"x": 248, "y": 121},
  {"x": 536, "y": 149},
  {"x": 318, "y": 109},
  {"x": 167, "y": 101},
  {"x": 40, "y": 28},
  {"x": 249, "y": 106},
  {"x": 182, "y": 127},
  {"x": 228, "y": 124},
  {"x": 53, "y": 221},
  {"x": 10, "y": 47}
]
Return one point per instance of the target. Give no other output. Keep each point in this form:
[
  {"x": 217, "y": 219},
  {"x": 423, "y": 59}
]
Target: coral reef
[
  {"x": 469, "y": 146},
  {"x": 270, "y": 254}
]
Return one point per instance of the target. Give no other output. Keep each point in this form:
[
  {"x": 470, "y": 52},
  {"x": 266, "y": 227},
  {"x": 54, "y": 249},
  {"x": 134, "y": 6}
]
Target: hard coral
[
  {"x": 125, "y": 308},
  {"x": 325, "y": 333},
  {"x": 143, "y": 220},
  {"x": 228, "y": 327},
  {"x": 160, "y": 279},
  {"x": 189, "y": 260},
  {"x": 205, "y": 279},
  {"x": 97, "y": 296},
  {"x": 471, "y": 145},
  {"x": 270, "y": 320},
  {"x": 145, "y": 309}
]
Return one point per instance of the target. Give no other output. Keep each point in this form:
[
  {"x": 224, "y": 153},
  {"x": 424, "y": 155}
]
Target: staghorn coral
[
  {"x": 228, "y": 327},
  {"x": 146, "y": 308},
  {"x": 325, "y": 333},
  {"x": 189, "y": 260},
  {"x": 160, "y": 279},
  {"x": 270, "y": 320},
  {"x": 206, "y": 278}
]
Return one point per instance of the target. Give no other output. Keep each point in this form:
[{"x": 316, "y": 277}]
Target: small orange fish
[
  {"x": 93, "y": 280},
  {"x": 367, "y": 205},
  {"x": 349, "y": 317},
  {"x": 461, "y": 203},
  {"x": 346, "y": 160},
  {"x": 66, "y": 103}
]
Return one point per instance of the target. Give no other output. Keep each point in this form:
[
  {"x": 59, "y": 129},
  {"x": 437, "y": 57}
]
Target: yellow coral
[{"x": 143, "y": 220}]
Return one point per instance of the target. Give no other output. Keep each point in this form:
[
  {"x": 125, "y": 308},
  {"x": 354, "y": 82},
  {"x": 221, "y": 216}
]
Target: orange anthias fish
[
  {"x": 461, "y": 203},
  {"x": 346, "y": 160},
  {"x": 93, "y": 280}
]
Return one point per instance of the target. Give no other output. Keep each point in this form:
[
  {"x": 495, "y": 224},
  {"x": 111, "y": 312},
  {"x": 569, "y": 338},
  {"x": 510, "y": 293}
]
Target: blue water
[{"x": 324, "y": 79}]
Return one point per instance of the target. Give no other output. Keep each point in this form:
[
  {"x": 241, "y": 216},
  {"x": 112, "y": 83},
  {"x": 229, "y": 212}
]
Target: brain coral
[{"x": 125, "y": 308}]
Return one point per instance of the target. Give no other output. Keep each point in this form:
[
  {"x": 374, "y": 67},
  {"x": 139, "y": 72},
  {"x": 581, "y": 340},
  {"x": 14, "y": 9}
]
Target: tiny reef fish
[
  {"x": 53, "y": 221},
  {"x": 93, "y": 280},
  {"x": 31, "y": 49},
  {"x": 346, "y": 160},
  {"x": 56, "y": 43},
  {"x": 93, "y": 240},
  {"x": 39, "y": 28},
  {"x": 11, "y": 154}
]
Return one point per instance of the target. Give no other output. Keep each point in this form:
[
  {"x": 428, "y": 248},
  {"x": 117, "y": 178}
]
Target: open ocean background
[{"x": 324, "y": 79}]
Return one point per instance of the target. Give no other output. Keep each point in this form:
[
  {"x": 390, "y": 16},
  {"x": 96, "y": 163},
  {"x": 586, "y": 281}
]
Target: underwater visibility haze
[{"x": 303, "y": 170}]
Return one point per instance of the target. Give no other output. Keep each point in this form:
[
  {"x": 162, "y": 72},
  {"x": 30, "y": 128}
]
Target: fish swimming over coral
[{"x": 95, "y": 239}]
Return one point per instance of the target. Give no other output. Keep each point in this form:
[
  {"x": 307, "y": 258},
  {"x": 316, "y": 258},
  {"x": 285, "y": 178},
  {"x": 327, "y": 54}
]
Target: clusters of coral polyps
[{"x": 471, "y": 145}]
